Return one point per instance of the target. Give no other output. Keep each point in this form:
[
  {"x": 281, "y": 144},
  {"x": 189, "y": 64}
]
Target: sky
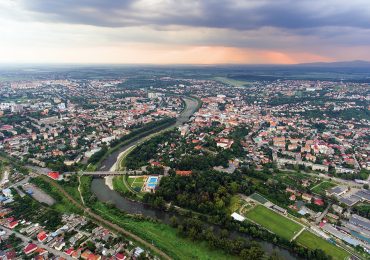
[{"x": 184, "y": 31}]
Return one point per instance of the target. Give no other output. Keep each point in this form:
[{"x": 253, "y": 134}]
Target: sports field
[
  {"x": 322, "y": 187},
  {"x": 312, "y": 241},
  {"x": 274, "y": 222},
  {"x": 136, "y": 183},
  {"x": 258, "y": 198}
]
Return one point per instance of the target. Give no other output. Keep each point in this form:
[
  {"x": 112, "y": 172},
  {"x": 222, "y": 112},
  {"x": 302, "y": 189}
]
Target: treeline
[
  {"x": 96, "y": 156},
  {"x": 207, "y": 191},
  {"x": 346, "y": 114},
  {"x": 362, "y": 210},
  {"x": 143, "y": 153},
  {"x": 136, "y": 134},
  {"x": 362, "y": 175},
  {"x": 32, "y": 210},
  {"x": 229, "y": 237},
  {"x": 149, "y": 128},
  {"x": 196, "y": 230}
]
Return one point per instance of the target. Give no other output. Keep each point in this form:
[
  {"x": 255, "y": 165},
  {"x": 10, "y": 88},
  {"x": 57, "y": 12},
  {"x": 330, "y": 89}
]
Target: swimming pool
[{"x": 153, "y": 179}]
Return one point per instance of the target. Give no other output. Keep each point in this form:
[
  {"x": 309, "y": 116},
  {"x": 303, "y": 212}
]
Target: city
[
  {"x": 290, "y": 156},
  {"x": 185, "y": 130}
]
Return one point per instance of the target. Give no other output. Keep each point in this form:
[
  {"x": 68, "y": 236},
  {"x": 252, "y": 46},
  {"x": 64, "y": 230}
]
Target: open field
[
  {"x": 312, "y": 241},
  {"x": 137, "y": 182},
  {"x": 322, "y": 187},
  {"x": 232, "y": 82},
  {"x": 274, "y": 222},
  {"x": 118, "y": 184},
  {"x": 235, "y": 204}
]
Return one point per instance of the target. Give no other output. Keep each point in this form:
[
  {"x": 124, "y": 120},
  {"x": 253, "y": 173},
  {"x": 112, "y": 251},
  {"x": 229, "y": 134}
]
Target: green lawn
[
  {"x": 312, "y": 241},
  {"x": 63, "y": 204},
  {"x": 118, "y": 184},
  {"x": 274, "y": 222},
  {"x": 322, "y": 187},
  {"x": 137, "y": 182}
]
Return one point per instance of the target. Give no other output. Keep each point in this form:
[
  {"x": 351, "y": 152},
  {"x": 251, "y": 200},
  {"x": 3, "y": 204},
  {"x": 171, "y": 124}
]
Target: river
[
  {"x": 105, "y": 194},
  {"x": 191, "y": 106}
]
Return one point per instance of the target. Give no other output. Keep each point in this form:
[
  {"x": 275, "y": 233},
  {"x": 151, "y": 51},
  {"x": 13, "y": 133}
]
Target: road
[
  {"x": 27, "y": 239},
  {"x": 322, "y": 215}
]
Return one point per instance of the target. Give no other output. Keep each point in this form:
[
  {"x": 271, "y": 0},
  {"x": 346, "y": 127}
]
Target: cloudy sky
[{"x": 184, "y": 31}]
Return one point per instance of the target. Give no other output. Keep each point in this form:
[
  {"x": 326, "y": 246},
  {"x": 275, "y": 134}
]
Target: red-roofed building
[
  {"x": 120, "y": 256},
  {"x": 41, "y": 236},
  {"x": 93, "y": 257},
  {"x": 41, "y": 251},
  {"x": 30, "y": 248},
  {"x": 11, "y": 255},
  {"x": 319, "y": 202},
  {"x": 13, "y": 224},
  {"x": 156, "y": 164},
  {"x": 69, "y": 251},
  {"x": 184, "y": 173},
  {"x": 54, "y": 175}
]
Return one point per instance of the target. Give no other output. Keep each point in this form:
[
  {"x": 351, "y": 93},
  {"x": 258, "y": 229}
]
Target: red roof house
[
  {"x": 319, "y": 202},
  {"x": 184, "y": 173},
  {"x": 13, "y": 224},
  {"x": 54, "y": 175},
  {"x": 42, "y": 236},
  {"x": 30, "y": 248},
  {"x": 120, "y": 256},
  {"x": 69, "y": 251}
]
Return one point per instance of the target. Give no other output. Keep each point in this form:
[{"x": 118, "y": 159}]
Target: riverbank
[
  {"x": 111, "y": 159},
  {"x": 162, "y": 239}
]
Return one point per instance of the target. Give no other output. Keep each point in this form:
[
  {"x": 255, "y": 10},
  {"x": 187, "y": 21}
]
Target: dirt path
[
  {"x": 105, "y": 222},
  {"x": 79, "y": 189}
]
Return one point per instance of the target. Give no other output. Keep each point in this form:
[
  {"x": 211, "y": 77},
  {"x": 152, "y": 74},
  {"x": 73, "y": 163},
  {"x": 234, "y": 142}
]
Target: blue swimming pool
[{"x": 153, "y": 179}]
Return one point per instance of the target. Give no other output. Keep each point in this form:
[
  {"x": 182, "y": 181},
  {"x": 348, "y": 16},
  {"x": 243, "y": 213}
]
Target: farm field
[
  {"x": 274, "y": 222},
  {"x": 312, "y": 241}
]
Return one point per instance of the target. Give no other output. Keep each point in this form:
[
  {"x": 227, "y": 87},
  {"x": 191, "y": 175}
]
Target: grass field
[
  {"x": 312, "y": 241},
  {"x": 274, "y": 222},
  {"x": 235, "y": 204},
  {"x": 136, "y": 183},
  {"x": 63, "y": 204},
  {"x": 322, "y": 187},
  {"x": 118, "y": 184},
  {"x": 232, "y": 82}
]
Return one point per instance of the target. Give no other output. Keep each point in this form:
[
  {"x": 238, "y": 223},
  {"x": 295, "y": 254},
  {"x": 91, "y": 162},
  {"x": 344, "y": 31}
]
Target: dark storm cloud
[{"x": 232, "y": 14}]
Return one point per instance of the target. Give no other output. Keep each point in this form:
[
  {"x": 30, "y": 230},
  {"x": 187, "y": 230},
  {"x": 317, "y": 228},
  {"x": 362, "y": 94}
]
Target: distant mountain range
[{"x": 338, "y": 64}]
